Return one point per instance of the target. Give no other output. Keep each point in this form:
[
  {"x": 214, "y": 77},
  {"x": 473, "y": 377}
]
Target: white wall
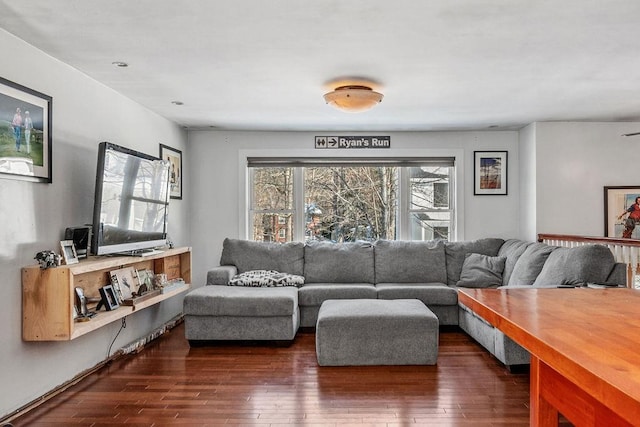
[
  {"x": 214, "y": 156},
  {"x": 574, "y": 162},
  {"x": 33, "y": 216},
  {"x": 527, "y": 168}
]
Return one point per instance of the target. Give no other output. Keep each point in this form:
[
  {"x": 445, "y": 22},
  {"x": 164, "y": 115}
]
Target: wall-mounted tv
[{"x": 131, "y": 201}]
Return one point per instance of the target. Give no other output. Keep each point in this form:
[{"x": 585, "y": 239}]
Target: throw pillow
[
  {"x": 266, "y": 278},
  {"x": 481, "y": 271}
]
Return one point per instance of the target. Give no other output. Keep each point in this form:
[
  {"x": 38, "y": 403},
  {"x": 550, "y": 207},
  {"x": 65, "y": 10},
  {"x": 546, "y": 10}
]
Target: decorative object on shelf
[
  {"x": 69, "y": 255},
  {"x": 353, "y": 98},
  {"x": 490, "y": 173},
  {"x": 47, "y": 259},
  {"x": 109, "y": 298},
  {"x": 622, "y": 211},
  {"x": 145, "y": 277},
  {"x": 125, "y": 282},
  {"x": 175, "y": 170},
  {"x": 28, "y": 157}
]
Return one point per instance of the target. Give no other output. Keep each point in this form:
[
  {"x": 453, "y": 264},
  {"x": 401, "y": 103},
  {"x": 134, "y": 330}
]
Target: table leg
[{"x": 542, "y": 413}]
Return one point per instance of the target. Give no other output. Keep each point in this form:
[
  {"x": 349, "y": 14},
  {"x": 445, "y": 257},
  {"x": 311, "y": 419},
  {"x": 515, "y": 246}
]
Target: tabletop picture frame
[
  {"x": 25, "y": 133},
  {"x": 490, "y": 173},
  {"x": 174, "y": 157},
  {"x": 68, "y": 251},
  {"x": 109, "y": 298}
]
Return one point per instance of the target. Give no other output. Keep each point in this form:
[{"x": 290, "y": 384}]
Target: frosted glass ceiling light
[{"x": 353, "y": 98}]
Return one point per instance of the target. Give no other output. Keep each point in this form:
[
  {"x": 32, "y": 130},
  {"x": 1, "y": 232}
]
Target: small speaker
[{"x": 80, "y": 237}]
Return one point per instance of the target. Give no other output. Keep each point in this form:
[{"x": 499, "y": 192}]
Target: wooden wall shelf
[{"x": 48, "y": 296}]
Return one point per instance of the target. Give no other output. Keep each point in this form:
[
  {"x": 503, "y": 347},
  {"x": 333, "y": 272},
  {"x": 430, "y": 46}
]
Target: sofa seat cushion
[
  {"x": 530, "y": 264},
  {"x": 317, "y": 293},
  {"x": 576, "y": 266},
  {"x": 456, "y": 252},
  {"x": 248, "y": 255},
  {"x": 220, "y": 300},
  {"x": 266, "y": 278},
  {"x": 428, "y": 293},
  {"x": 481, "y": 271},
  {"x": 326, "y": 262},
  {"x": 409, "y": 261}
]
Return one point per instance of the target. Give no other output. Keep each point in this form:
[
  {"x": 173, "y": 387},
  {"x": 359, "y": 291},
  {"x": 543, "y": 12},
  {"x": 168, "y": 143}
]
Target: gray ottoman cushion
[
  {"x": 376, "y": 332},
  {"x": 217, "y": 300}
]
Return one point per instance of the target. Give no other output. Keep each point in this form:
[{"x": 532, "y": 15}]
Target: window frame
[{"x": 456, "y": 187}]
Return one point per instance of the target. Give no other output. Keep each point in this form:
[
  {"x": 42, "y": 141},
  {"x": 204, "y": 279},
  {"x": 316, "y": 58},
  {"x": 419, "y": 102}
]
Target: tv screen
[{"x": 131, "y": 201}]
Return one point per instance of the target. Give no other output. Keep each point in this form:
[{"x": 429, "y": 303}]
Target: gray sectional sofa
[{"x": 429, "y": 271}]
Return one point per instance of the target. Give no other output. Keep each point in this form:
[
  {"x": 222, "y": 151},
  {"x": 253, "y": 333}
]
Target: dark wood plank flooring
[{"x": 168, "y": 383}]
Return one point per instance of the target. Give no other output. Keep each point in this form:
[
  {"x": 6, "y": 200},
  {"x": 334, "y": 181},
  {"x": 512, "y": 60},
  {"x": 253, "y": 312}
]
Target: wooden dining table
[{"x": 584, "y": 345}]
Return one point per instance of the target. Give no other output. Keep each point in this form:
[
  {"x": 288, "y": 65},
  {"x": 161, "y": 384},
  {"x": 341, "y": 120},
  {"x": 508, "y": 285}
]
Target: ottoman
[
  {"x": 219, "y": 312},
  {"x": 376, "y": 332}
]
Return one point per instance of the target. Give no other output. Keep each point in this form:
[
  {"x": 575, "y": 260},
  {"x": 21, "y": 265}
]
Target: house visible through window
[{"x": 357, "y": 199}]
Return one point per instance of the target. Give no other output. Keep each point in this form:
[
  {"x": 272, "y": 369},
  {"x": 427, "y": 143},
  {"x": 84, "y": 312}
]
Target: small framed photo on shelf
[
  {"x": 109, "y": 298},
  {"x": 145, "y": 279},
  {"x": 68, "y": 249},
  {"x": 490, "y": 173},
  {"x": 125, "y": 282}
]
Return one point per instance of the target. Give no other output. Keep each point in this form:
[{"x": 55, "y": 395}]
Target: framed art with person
[{"x": 622, "y": 212}]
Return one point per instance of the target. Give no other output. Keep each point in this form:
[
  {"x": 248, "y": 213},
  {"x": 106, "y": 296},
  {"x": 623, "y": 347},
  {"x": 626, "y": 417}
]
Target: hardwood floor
[{"x": 169, "y": 384}]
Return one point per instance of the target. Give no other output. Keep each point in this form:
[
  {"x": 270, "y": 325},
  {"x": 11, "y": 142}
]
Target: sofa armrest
[{"x": 221, "y": 275}]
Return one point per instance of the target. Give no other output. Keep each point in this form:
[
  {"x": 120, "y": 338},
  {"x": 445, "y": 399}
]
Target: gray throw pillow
[
  {"x": 481, "y": 271},
  {"x": 530, "y": 264},
  {"x": 456, "y": 253},
  {"x": 576, "y": 266}
]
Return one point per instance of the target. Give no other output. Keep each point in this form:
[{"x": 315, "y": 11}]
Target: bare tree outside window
[{"x": 350, "y": 203}]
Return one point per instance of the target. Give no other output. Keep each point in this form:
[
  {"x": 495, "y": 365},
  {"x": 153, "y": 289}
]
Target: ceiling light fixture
[
  {"x": 353, "y": 98},
  {"x": 120, "y": 64}
]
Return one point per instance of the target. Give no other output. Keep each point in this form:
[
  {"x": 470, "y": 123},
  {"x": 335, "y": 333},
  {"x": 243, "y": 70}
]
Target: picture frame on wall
[
  {"x": 490, "y": 173},
  {"x": 174, "y": 157},
  {"x": 69, "y": 254},
  {"x": 25, "y": 133},
  {"x": 622, "y": 211}
]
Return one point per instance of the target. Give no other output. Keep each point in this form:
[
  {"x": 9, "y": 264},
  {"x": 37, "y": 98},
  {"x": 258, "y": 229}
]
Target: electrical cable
[{"x": 122, "y": 326}]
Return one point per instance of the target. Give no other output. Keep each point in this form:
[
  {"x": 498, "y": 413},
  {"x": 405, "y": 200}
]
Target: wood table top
[{"x": 591, "y": 336}]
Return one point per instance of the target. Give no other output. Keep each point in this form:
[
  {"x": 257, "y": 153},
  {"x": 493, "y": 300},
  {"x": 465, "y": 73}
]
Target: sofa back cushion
[
  {"x": 511, "y": 249},
  {"x": 410, "y": 262},
  {"x": 530, "y": 264},
  {"x": 326, "y": 262},
  {"x": 456, "y": 253},
  {"x": 248, "y": 255},
  {"x": 576, "y": 266}
]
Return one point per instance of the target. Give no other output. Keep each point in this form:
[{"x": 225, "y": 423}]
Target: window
[{"x": 357, "y": 199}]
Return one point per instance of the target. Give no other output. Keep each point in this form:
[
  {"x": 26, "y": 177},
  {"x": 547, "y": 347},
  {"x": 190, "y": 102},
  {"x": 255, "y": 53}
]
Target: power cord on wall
[{"x": 122, "y": 326}]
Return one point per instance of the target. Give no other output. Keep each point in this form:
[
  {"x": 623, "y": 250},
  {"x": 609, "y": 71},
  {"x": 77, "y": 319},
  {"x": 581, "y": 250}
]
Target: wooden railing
[{"x": 624, "y": 250}]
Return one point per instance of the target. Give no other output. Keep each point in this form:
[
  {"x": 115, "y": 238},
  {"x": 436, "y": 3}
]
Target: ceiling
[{"x": 264, "y": 65}]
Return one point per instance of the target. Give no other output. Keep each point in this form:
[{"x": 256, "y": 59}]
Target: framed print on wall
[
  {"x": 25, "y": 133},
  {"x": 175, "y": 179},
  {"x": 622, "y": 212},
  {"x": 490, "y": 173}
]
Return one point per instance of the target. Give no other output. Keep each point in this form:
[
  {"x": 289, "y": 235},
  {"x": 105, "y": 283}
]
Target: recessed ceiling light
[
  {"x": 177, "y": 102},
  {"x": 120, "y": 64}
]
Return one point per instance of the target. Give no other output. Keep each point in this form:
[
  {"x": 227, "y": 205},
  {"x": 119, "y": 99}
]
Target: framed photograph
[
  {"x": 145, "y": 278},
  {"x": 622, "y": 212},
  {"x": 175, "y": 178},
  {"x": 125, "y": 282},
  {"x": 68, "y": 249},
  {"x": 490, "y": 173},
  {"x": 109, "y": 298},
  {"x": 25, "y": 133}
]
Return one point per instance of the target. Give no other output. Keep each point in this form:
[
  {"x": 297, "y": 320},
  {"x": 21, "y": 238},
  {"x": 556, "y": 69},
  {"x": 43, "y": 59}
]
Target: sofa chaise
[{"x": 428, "y": 271}]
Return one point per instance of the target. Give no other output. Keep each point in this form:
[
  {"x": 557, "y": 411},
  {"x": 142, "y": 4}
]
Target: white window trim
[{"x": 244, "y": 224}]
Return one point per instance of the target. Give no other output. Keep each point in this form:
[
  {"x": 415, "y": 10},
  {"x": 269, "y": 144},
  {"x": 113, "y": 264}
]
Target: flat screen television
[{"x": 131, "y": 202}]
